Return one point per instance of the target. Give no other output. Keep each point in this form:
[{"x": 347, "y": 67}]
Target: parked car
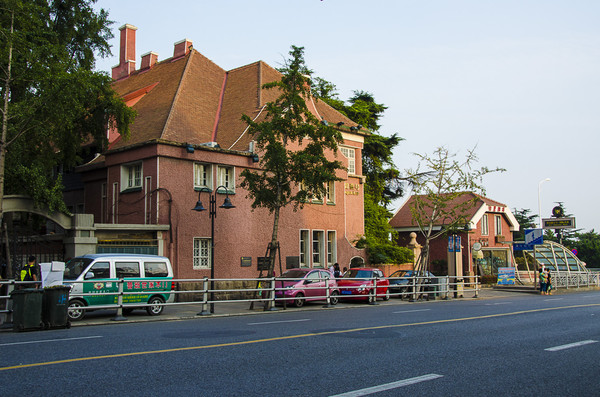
[
  {"x": 301, "y": 285},
  {"x": 359, "y": 283},
  {"x": 401, "y": 281}
]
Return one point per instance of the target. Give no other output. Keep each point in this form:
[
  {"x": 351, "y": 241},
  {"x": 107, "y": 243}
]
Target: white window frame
[
  {"x": 226, "y": 177},
  {"x": 304, "y": 248},
  {"x": 331, "y": 247},
  {"x": 498, "y": 225},
  {"x": 202, "y": 176},
  {"x": 132, "y": 175},
  {"x": 201, "y": 255},
  {"x": 485, "y": 226},
  {"x": 318, "y": 249},
  {"x": 350, "y": 154},
  {"x": 330, "y": 192}
]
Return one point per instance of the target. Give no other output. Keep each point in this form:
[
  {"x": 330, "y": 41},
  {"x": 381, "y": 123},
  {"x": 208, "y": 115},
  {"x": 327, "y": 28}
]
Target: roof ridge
[{"x": 176, "y": 96}]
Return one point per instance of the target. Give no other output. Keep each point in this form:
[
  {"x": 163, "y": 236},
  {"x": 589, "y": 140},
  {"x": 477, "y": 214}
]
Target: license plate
[{"x": 346, "y": 292}]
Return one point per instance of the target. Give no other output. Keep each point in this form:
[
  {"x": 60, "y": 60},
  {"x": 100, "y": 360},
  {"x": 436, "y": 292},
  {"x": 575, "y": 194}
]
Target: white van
[{"x": 150, "y": 275}]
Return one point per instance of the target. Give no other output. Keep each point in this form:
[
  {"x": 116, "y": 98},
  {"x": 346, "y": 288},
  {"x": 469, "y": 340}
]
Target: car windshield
[
  {"x": 357, "y": 273},
  {"x": 75, "y": 267},
  {"x": 294, "y": 274},
  {"x": 401, "y": 273}
]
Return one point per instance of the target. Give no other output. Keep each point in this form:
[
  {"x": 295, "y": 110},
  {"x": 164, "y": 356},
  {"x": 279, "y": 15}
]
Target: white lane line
[
  {"x": 570, "y": 345},
  {"x": 553, "y": 299},
  {"x": 389, "y": 386},
  {"x": 498, "y": 303},
  {"x": 280, "y": 322},
  {"x": 412, "y": 311},
  {"x": 49, "y": 340}
]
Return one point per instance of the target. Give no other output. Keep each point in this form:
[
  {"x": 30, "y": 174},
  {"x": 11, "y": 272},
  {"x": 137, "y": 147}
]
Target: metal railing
[
  {"x": 575, "y": 279},
  {"x": 269, "y": 291}
]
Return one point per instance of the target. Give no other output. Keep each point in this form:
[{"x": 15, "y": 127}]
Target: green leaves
[
  {"x": 54, "y": 101},
  {"x": 293, "y": 145}
]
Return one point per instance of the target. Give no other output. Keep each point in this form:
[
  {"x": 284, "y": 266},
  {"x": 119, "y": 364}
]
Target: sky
[{"x": 519, "y": 81}]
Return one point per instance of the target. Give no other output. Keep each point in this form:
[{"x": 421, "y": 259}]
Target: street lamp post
[
  {"x": 212, "y": 212},
  {"x": 540, "y": 200}
]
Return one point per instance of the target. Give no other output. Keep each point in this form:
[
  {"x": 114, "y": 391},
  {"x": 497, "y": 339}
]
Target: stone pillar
[
  {"x": 81, "y": 238},
  {"x": 415, "y": 247}
]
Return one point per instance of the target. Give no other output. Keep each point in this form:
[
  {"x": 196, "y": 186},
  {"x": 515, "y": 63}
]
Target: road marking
[
  {"x": 389, "y": 386},
  {"x": 498, "y": 303},
  {"x": 280, "y": 322},
  {"x": 570, "y": 345},
  {"x": 48, "y": 340},
  {"x": 290, "y": 337},
  {"x": 553, "y": 299},
  {"x": 412, "y": 311}
]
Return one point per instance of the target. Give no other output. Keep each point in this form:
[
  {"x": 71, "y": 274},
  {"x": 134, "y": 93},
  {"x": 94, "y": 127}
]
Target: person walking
[
  {"x": 29, "y": 273},
  {"x": 548, "y": 282},
  {"x": 336, "y": 271},
  {"x": 543, "y": 281}
]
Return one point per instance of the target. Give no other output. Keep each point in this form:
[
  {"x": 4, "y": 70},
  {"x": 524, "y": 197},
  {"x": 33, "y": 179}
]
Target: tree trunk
[{"x": 5, "y": 116}]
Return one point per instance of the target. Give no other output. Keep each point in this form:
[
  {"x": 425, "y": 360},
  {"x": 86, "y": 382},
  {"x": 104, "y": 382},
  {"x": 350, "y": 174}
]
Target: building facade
[
  {"x": 484, "y": 240},
  {"x": 188, "y": 142}
]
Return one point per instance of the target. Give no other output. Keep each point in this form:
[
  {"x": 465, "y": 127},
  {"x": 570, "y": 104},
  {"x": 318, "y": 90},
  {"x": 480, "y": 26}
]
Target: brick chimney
[
  {"x": 182, "y": 48},
  {"x": 127, "y": 53},
  {"x": 148, "y": 60}
]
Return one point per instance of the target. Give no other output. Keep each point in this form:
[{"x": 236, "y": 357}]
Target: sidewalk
[
  {"x": 191, "y": 311},
  {"x": 224, "y": 309}
]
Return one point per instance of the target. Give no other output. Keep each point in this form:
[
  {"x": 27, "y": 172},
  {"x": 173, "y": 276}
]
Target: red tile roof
[
  {"x": 403, "y": 217},
  {"x": 192, "y": 100}
]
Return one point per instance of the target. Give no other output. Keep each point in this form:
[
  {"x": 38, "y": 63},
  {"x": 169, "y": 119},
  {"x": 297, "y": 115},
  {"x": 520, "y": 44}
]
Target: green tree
[
  {"x": 382, "y": 178},
  {"x": 293, "y": 145},
  {"x": 437, "y": 182},
  {"x": 52, "y": 100},
  {"x": 525, "y": 220},
  {"x": 588, "y": 248}
]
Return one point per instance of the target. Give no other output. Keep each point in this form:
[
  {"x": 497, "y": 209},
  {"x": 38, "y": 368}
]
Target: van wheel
[
  {"x": 386, "y": 297},
  {"x": 74, "y": 314},
  {"x": 155, "y": 309},
  {"x": 334, "y": 298}
]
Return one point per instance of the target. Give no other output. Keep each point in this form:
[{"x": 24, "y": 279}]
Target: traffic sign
[{"x": 534, "y": 236}]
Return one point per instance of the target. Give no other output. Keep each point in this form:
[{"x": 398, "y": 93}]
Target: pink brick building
[{"x": 188, "y": 136}]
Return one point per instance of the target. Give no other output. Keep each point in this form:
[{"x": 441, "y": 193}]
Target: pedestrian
[
  {"x": 548, "y": 282},
  {"x": 336, "y": 271},
  {"x": 543, "y": 281},
  {"x": 29, "y": 273}
]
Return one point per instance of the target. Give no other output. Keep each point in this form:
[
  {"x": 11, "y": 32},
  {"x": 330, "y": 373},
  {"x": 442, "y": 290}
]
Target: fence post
[
  {"x": 414, "y": 289},
  {"x": 476, "y": 287},
  {"x": 374, "y": 302},
  {"x": 270, "y": 304},
  {"x": 119, "y": 316},
  {"x": 8, "y": 305},
  {"x": 205, "y": 311},
  {"x": 328, "y": 294}
]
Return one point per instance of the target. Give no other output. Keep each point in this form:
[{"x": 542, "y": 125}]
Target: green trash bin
[
  {"x": 55, "y": 307},
  {"x": 27, "y": 309}
]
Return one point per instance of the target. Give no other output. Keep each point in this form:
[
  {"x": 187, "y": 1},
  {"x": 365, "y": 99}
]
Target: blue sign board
[
  {"x": 506, "y": 276},
  {"x": 534, "y": 236},
  {"x": 453, "y": 243}
]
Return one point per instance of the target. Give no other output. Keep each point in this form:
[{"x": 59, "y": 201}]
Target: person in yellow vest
[{"x": 29, "y": 273}]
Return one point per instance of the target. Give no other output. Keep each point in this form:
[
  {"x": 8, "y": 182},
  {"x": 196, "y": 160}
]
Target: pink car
[
  {"x": 300, "y": 285},
  {"x": 359, "y": 283}
]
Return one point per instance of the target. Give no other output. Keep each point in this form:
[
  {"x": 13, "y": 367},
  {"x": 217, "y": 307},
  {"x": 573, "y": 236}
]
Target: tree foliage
[
  {"x": 53, "y": 101},
  {"x": 293, "y": 146},
  {"x": 437, "y": 182},
  {"x": 525, "y": 220},
  {"x": 382, "y": 178}
]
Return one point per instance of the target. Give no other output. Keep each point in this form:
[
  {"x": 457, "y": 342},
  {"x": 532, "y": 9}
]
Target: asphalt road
[{"x": 527, "y": 345}]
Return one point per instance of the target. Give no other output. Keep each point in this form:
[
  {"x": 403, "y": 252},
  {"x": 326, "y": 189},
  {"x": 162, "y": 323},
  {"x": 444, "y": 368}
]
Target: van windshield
[{"x": 75, "y": 267}]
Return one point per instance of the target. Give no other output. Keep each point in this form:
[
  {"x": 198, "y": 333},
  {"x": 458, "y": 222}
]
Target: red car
[{"x": 359, "y": 283}]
